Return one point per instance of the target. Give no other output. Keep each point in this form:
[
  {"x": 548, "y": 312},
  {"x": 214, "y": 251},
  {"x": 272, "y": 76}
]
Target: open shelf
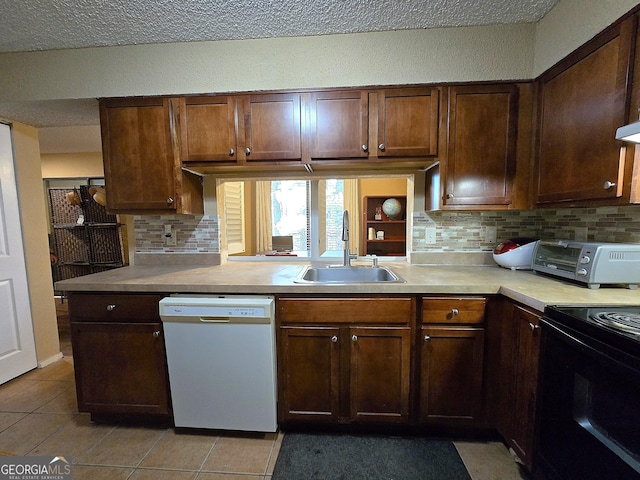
[{"x": 394, "y": 243}]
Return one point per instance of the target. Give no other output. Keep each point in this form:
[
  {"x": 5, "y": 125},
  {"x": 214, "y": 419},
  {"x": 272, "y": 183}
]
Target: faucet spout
[
  {"x": 345, "y": 226},
  {"x": 348, "y": 256}
]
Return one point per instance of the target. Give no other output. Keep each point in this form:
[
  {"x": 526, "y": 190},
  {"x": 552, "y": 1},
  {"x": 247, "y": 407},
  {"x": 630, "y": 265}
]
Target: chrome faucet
[{"x": 345, "y": 238}]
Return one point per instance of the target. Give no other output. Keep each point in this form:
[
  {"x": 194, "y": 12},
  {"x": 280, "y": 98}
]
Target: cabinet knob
[
  {"x": 427, "y": 338},
  {"x": 449, "y": 195},
  {"x": 454, "y": 311},
  {"x": 364, "y": 148},
  {"x": 156, "y": 333},
  {"x": 381, "y": 147},
  {"x": 110, "y": 307},
  {"x": 169, "y": 201},
  {"x": 247, "y": 151},
  {"x": 231, "y": 152},
  {"x": 533, "y": 327},
  {"x": 354, "y": 338},
  {"x": 607, "y": 185},
  {"x": 334, "y": 339}
]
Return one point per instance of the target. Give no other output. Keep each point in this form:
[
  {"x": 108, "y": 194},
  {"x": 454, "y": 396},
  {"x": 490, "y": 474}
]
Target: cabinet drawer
[
  {"x": 453, "y": 310},
  {"x": 113, "y": 307},
  {"x": 345, "y": 310}
]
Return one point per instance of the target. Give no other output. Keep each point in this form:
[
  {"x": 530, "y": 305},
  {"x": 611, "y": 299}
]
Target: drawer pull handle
[
  {"x": 156, "y": 334},
  {"x": 110, "y": 307},
  {"x": 334, "y": 339},
  {"x": 354, "y": 338},
  {"x": 427, "y": 338},
  {"x": 454, "y": 311}
]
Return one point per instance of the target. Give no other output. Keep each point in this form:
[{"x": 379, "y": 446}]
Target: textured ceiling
[
  {"x": 55, "y": 24},
  {"x": 33, "y": 25}
]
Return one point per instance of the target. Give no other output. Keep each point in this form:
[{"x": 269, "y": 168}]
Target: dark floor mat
[{"x": 347, "y": 457}]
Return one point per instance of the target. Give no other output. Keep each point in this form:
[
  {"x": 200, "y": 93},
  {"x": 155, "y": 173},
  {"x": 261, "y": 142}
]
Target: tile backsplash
[
  {"x": 466, "y": 231},
  {"x": 455, "y": 231},
  {"x": 194, "y": 233}
]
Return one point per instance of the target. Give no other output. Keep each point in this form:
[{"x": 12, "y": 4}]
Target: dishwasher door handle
[{"x": 215, "y": 319}]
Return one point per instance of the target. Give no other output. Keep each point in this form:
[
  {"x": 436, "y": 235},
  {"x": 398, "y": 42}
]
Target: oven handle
[{"x": 587, "y": 348}]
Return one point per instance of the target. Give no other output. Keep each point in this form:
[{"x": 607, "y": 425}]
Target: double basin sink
[{"x": 338, "y": 275}]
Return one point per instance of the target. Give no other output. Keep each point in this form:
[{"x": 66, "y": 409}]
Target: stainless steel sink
[{"x": 347, "y": 275}]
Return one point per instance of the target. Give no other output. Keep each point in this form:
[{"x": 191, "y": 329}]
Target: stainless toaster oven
[{"x": 590, "y": 263}]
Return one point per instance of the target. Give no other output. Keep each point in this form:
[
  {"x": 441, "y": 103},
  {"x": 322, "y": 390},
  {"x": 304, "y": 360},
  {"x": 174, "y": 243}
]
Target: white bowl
[{"x": 518, "y": 258}]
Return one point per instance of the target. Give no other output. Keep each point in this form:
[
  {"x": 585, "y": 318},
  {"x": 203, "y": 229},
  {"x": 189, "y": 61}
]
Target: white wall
[
  {"x": 36, "y": 245},
  {"x": 496, "y": 52},
  {"x": 570, "y": 24},
  {"x": 413, "y": 56}
]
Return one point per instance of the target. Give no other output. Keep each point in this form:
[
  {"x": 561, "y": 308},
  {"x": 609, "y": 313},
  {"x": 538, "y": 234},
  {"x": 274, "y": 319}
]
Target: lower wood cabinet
[
  {"x": 309, "y": 373},
  {"x": 452, "y": 360},
  {"x": 119, "y": 355},
  {"x": 518, "y": 379},
  {"x": 451, "y": 374},
  {"x": 330, "y": 370}
]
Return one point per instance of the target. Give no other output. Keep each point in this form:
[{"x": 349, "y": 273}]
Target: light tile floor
[{"x": 38, "y": 416}]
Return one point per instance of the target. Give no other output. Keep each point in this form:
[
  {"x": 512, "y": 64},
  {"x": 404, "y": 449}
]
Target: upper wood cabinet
[
  {"x": 481, "y": 150},
  {"x": 394, "y": 123},
  {"x": 582, "y": 101},
  {"x": 272, "y": 127},
  {"x": 407, "y": 122},
  {"x": 339, "y": 125},
  {"x": 209, "y": 129},
  {"x": 141, "y": 158},
  {"x": 487, "y": 160}
]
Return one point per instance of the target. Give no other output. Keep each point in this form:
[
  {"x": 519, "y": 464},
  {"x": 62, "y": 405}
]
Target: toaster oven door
[{"x": 557, "y": 258}]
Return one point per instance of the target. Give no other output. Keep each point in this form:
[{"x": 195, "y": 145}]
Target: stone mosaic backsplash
[
  {"x": 466, "y": 231},
  {"x": 194, "y": 233},
  {"x": 455, "y": 231}
]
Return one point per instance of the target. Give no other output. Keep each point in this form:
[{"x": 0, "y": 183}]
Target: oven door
[{"x": 589, "y": 423}]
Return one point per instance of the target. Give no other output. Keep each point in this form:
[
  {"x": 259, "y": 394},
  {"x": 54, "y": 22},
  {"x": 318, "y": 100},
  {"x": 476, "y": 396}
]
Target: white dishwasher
[{"x": 222, "y": 361}]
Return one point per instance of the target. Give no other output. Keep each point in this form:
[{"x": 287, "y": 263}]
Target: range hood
[{"x": 629, "y": 133}]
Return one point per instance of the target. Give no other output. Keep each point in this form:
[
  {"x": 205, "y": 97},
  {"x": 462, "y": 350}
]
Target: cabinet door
[
  {"x": 209, "y": 130},
  {"x": 308, "y": 374},
  {"x": 526, "y": 385},
  {"x": 451, "y": 372},
  {"x": 481, "y": 155},
  {"x": 138, "y": 155},
  {"x": 338, "y": 126},
  {"x": 272, "y": 127},
  {"x": 408, "y": 122},
  {"x": 120, "y": 368},
  {"x": 379, "y": 374},
  {"x": 580, "y": 109}
]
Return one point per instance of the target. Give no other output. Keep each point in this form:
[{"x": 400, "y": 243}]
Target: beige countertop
[{"x": 242, "y": 277}]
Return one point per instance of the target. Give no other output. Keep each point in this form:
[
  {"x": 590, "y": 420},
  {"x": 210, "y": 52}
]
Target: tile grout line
[
  {"x": 208, "y": 454},
  {"x": 149, "y": 451},
  {"x": 273, "y": 448},
  {"x": 72, "y": 416}
]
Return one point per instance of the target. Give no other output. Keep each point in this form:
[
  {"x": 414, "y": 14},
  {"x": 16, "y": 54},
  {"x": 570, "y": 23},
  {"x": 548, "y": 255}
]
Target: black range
[{"x": 589, "y": 422}]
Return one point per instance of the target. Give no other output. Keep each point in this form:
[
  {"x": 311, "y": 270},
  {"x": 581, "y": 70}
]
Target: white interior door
[{"x": 17, "y": 345}]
